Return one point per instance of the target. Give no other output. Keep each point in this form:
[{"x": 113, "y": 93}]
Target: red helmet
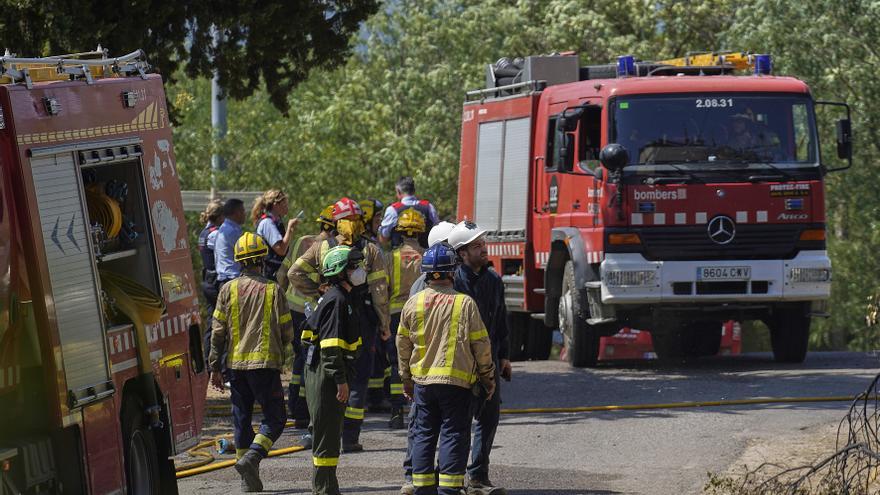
[{"x": 346, "y": 208}]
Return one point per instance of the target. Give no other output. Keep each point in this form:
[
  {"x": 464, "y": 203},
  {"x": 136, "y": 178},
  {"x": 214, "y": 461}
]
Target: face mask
[{"x": 358, "y": 276}]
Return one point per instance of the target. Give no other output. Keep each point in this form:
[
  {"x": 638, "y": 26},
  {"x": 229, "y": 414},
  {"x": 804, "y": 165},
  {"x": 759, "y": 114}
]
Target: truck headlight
[
  {"x": 810, "y": 275},
  {"x": 630, "y": 278}
]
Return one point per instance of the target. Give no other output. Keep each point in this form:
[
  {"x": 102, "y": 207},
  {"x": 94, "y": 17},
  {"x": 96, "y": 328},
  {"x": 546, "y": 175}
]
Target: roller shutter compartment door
[
  {"x": 487, "y": 198},
  {"x": 515, "y": 175}
]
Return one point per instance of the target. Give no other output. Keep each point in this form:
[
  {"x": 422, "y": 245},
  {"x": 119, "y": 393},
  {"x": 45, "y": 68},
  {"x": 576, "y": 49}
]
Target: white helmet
[
  {"x": 465, "y": 233},
  {"x": 440, "y": 232}
]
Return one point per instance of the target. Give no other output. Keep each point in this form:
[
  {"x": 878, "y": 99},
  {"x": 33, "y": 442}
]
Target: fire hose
[
  {"x": 142, "y": 307},
  {"x": 201, "y": 467}
]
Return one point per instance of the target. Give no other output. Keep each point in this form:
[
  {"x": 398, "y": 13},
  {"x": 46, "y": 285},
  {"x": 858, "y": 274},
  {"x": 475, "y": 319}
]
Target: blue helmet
[{"x": 439, "y": 258}]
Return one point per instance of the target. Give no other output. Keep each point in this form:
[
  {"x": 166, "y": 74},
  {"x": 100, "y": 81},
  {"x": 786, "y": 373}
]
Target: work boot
[
  {"x": 484, "y": 487},
  {"x": 306, "y": 441},
  {"x": 396, "y": 422},
  {"x": 407, "y": 489},
  {"x": 249, "y": 469},
  {"x": 350, "y": 448}
]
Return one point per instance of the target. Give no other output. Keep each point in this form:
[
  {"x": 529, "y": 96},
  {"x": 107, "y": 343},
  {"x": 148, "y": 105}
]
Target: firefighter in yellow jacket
[
  {"x": 252, "y": 323},
  {"x": 404, "y": 266},
  {"x": 296, "y": 397},
  {"x": 443, "y": 350},
  {"x": 350, "y": 227}
]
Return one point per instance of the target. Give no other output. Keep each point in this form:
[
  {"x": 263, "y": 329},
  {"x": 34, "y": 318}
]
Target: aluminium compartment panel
[
  {"x": 487, "y": 196},
  {"x": 71, "y": 272},
  {"x": 515, "y": 183}
]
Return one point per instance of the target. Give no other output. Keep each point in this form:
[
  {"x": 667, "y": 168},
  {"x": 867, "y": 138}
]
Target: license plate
[{"x": 709, "y": 273}]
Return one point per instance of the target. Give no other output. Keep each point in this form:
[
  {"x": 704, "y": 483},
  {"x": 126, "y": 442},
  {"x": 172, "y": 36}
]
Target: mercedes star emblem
[{"x": 721, "y": 230}]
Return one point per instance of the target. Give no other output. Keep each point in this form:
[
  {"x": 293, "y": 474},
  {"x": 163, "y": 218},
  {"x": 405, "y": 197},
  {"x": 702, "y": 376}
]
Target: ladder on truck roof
[
  {"x": 734, "y": 60},
  {"x": 87, "y": 65}
]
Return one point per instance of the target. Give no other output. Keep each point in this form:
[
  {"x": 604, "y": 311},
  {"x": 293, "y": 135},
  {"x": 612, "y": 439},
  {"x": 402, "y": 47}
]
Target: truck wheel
[
  {"x": 581, "y": 339},
  {"x": 518, "y": 325},
  {"x": 540, "y": 340},
  {"x": 141, "y": 455},
  {"x": 790, "y": 334}
]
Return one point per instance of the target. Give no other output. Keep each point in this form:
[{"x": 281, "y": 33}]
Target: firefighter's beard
[{"x": 351, "y": 230}]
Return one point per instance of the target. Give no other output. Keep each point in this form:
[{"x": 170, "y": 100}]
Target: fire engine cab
[
  {"x": 102, "y": 374},
  {"x": 670, "y": 196}
]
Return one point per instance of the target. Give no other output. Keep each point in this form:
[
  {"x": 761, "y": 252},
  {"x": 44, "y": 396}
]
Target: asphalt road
[{"x": 649, "y": 451}]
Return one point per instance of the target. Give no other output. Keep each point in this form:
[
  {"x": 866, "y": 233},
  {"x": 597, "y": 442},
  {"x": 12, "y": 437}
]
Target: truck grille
[{"x": 751, "y": 242}]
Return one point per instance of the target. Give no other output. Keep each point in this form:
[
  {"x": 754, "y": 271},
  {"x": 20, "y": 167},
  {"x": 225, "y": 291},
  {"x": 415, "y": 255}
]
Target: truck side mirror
[
  {"x": 614, "y": 157},
  {"x": 567, "y": 153},
  {"x": 844, "y": 139}
]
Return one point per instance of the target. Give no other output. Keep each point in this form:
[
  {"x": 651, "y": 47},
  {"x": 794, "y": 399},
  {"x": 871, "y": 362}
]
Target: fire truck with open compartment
[
  {"x": 669, "y": 196},
  {"x": 102, "y": 374}
]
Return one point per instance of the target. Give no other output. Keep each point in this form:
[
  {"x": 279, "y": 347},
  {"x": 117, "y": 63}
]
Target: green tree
[{"x": 279, "y": 42}]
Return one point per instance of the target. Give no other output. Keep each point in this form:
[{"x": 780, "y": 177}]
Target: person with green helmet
[{"x": 332, "y": 343}]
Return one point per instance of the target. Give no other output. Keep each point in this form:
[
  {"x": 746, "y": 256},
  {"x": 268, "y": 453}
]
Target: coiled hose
[
  {"x": 142, "y": 307},
  {"x": 104, "y": 210}
]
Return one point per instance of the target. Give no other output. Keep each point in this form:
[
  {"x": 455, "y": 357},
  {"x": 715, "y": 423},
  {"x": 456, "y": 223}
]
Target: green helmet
[{"x": 335, "y": 261}]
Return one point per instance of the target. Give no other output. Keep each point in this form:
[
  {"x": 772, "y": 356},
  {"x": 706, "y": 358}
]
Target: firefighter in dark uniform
[
  {"x": 331, "y": 351},
  {"x": 212, "y": 217},
  {"x": 252, "y": 324},
  {"x": 296, "y": 398},
  {"x": 403, "y": 265},
  {"x": 378, "y": 397},
  {"x": 350, "y": 228}
]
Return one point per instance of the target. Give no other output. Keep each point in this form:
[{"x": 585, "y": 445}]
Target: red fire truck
[
  {"x": 102, "y": 376},
  {"x": 670, "y": 196}
]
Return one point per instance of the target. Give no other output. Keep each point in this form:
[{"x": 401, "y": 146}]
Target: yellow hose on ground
[
  {"x": 221, "y": 411},
  {"x": 206, "y": 464}
]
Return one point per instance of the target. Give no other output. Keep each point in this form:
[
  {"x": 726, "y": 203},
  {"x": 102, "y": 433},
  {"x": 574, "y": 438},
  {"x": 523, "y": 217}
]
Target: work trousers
[
  {"x": 378, "y": 387},
  {"x": 443, "y": 415},
  {"x": 264, "y": 387},
  {"x": 484, "y": 433},
  {"x": 395, "y": 385},
  {"x": 210, "y": 290},
  {"x": 296, "y": 391},
  {"x": 327, "y": 414},
  {"x": 358, "y": 387},
  {"x": 410, "y": 430}
]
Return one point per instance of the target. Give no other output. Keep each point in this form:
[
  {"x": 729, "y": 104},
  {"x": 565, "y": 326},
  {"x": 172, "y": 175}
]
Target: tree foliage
[
  {"x": 394, "y": 107},
  {"x": 278, "y": 42}
]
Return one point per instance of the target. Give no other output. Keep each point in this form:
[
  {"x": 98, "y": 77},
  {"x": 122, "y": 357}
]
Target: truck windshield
[{"x": 716, "y": 131}]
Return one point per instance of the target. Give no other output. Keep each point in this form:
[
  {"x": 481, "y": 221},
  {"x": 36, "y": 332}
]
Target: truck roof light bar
[{"x": 626, "y": 66}]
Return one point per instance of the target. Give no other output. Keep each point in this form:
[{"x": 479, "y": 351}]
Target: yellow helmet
[
  {"x": 250, "y": 246},
  {"x": 411, "y": 221},
  {"x": 326, "y": 217}
]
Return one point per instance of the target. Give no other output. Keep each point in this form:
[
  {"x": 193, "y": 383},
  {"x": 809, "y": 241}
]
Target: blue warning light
[
  {"x": 763, "y": 65},
  {"x": 626, "y": 66}
]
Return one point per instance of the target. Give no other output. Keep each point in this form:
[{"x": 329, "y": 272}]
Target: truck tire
[
  {"x": 518, "y": 328},
  {"x": 581, "y": 339},
  {"x": 540, "y": 340},
  {"x": 790, "y": 333},
  {"x": 142, "y": 476}
]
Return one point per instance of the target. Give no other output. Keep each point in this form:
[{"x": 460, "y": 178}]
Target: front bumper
[{"x": 771, "y": 280}]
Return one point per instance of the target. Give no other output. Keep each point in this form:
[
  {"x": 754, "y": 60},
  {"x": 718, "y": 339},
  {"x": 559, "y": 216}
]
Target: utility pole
[{"x": 218, "y": 117}]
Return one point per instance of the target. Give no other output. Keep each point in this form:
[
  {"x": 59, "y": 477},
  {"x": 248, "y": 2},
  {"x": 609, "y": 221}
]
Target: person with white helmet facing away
[{"x": 474, "y": 278}]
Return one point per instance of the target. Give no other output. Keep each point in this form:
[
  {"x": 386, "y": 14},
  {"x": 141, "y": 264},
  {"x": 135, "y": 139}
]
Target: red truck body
[
  {"x": 75, "y": 399},
  {"x": 530, "y": 174}
]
